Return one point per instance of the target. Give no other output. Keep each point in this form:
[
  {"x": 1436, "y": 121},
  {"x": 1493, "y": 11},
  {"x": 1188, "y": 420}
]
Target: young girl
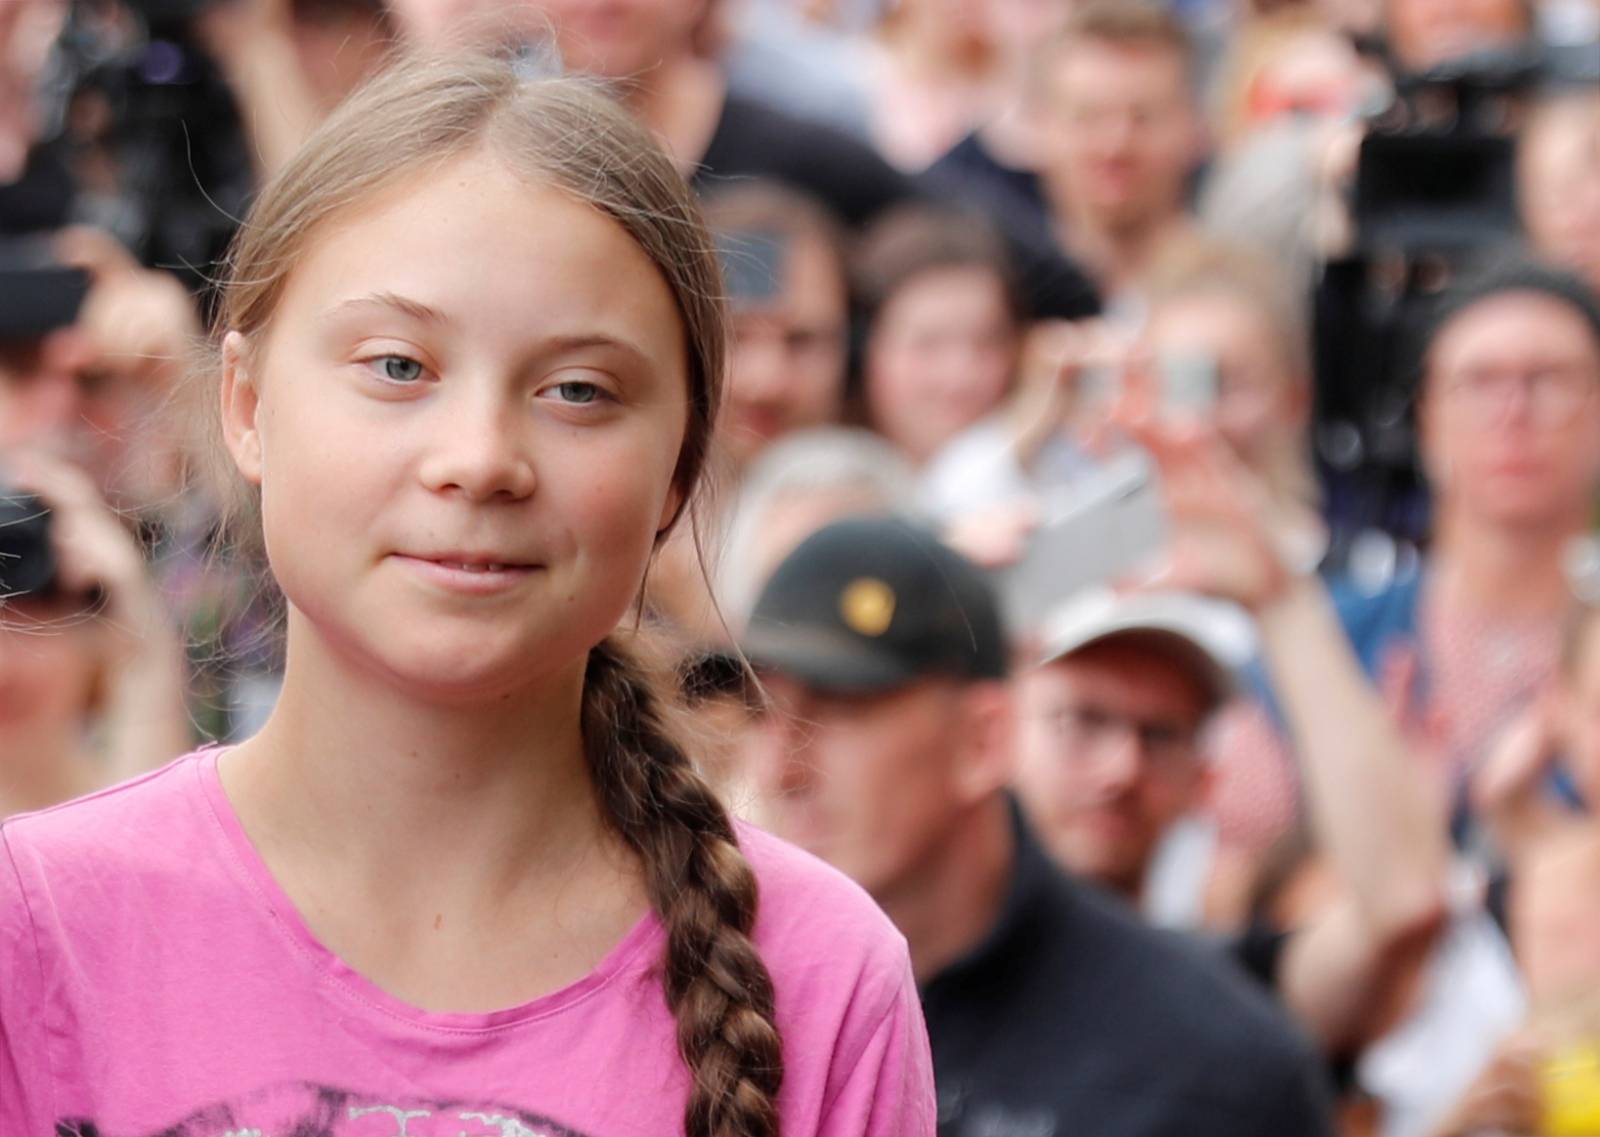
[{"x": 463, "y": 883}]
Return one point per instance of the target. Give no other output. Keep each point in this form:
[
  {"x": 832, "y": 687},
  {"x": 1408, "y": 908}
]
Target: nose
[
  {"x": 759, "y": 366},
  {"x": 1117, "y": 760},
  {"x": 1517, "y": 403},
  {"x": 481, "y": 450}
]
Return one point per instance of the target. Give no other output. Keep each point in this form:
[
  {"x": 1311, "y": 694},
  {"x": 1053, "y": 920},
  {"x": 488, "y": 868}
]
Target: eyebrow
[
  {"x": 406, "y": 306},
  {"x": 555, "y": 345}
]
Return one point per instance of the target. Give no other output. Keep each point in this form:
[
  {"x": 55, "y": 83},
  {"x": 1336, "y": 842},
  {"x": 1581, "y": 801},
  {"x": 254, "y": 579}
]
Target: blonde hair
[
  {"x": 1204, "y": 266},
  {"x": 564, "y": 134}
]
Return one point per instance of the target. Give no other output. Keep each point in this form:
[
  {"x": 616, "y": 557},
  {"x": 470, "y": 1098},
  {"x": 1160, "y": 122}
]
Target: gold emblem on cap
[{"x": 867, "y": 606}]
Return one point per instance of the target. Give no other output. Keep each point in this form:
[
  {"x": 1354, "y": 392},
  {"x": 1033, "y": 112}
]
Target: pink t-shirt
[{"x": 155, "y": 980}]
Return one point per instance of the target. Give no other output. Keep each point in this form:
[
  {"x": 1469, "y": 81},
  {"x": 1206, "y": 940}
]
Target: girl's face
[
  {"x": 464, "y": 418},
  {"x": 1259, "y": 399},
  {"x": 941, "y": 356}
]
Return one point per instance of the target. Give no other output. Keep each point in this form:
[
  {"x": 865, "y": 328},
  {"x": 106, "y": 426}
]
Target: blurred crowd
[{"x": 1151, "y": 548}]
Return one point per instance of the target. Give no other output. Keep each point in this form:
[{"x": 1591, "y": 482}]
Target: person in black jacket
[{"x": 1050, "y": 1009}]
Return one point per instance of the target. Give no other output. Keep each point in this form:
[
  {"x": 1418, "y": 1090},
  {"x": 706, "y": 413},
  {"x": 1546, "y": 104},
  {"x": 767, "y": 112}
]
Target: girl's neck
[
  {"x": 409, "y": 797},
  {"x": 1502, "y": 572}
]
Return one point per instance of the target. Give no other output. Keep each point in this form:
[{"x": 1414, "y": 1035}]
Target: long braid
[{"x": 704, "y": 891}]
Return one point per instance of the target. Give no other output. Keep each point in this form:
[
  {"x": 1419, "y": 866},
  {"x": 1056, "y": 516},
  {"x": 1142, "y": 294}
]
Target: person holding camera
[{"x": 91, "y": 671}]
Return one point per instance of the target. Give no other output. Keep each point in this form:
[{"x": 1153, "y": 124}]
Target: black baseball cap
[{"x": 873, "y": 603}]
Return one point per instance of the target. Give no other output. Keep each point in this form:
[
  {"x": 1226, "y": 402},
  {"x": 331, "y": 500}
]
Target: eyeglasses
[
  {"x": 1555, "y": 395},
  {"x": 1086, "y": 731}
]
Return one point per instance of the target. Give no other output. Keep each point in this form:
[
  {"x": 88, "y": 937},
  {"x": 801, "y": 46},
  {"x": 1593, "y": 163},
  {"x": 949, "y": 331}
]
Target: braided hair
[{"x": 568, "y": 135}]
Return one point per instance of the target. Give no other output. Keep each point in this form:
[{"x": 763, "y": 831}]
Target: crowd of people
[{"x": 1136, "y": 522}]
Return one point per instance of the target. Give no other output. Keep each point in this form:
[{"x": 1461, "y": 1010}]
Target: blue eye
[
  {"x": 398, "y": 368},
  {"x": 576, "y": 391}
]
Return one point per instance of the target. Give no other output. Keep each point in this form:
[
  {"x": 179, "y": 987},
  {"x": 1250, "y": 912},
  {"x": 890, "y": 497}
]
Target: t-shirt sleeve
[
  {"x": 884, "y": 1087},
  {"x": 22, "y": 1058}
]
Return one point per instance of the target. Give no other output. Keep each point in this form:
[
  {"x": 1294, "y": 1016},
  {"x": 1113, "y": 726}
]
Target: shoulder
[
  {"x": 803, "y": 896},
  {"x": 817, "y": 927},
  {"x": 1372, "y": 617},
  {"x": 855, "y": 1045},
  {"x": 1207, "y": 1003},
  {"x": 114, "y": 846},
  {"x": 113, "y": 819}
]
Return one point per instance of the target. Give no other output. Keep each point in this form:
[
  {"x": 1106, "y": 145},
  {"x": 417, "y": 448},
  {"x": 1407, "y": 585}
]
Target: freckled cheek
[
  {"x": 615, "y": 507},
  {"x": 317, "y": 480}
]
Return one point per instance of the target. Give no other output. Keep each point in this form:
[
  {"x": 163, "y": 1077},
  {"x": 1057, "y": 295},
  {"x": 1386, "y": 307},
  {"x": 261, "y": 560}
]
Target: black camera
[
  {"x": 1434, "y": 190},
  {"x": 27, "y": 559},
  {"x": 37, "y": 295}
]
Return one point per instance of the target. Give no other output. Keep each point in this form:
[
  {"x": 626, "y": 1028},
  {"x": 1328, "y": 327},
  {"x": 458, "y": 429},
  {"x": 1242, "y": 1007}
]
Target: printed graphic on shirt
[{"x": 305, "y": 1110}]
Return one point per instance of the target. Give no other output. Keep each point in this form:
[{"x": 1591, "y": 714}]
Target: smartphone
[
  {"x": 1102, "y": 528},
  {"x": 753, "y": 265},
  {"x": 1190, "y": 382}
]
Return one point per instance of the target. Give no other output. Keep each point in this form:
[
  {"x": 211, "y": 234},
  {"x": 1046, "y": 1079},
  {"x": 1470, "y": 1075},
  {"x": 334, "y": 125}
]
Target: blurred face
[
  {"x": 1509, "y": 416},
  {"x": 787, "y": 366},
  {"x": 941, "y": 356},
  {"x": 1559, "y": 187},
  {"x": 869, "y": 783},
  {"x": 1124, "y": 133},
  {"x": 54, "y": 397},
  {"x": 1259, "y": 400},
  {"x": 622, "y": 39},
  {"x": 1108, "y": 758},
  {"x": 339, "y": 49},
  {"x": 1316, "y": 73},
  {"x": 1425, "y": 33},
  {"x": 463, "y": 461}
]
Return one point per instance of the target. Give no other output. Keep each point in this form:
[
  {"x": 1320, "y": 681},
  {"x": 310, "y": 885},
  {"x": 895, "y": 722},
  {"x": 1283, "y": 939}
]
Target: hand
[
  {"x": 1522, "y": 756},
  {"x": 1220, "y": 542},
  {"x": 94, "y": 551},
  {"x": 231, "y": 28},
  {"x": 1055, "y": 356},
  {"x": 138, "y": 322},
  {"x": 144, "y": 721},
  {"x": 993, "y": 537},
  {"x": 1505, "y": 1099}
]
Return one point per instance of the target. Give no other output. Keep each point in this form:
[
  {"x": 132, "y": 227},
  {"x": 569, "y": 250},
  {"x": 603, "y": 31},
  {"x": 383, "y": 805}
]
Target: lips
[{"x": 473, "y": 573}]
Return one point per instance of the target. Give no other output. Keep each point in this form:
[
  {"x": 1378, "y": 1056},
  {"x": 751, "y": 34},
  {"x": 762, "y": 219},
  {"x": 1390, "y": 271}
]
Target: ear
[
  {"x": 986, "y": 757},
  {"x": 241, "y": 405},
  {"x": 670, "y": 508}
]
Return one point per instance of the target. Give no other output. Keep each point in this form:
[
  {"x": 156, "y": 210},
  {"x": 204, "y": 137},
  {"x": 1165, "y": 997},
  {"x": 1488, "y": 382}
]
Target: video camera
[
  {"x": 1434, "y": 188},
  {"x": 147, "y": 100}
]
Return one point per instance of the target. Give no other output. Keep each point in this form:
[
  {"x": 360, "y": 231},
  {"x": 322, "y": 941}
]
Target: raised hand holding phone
[{"x": 1219, "y": 542}]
